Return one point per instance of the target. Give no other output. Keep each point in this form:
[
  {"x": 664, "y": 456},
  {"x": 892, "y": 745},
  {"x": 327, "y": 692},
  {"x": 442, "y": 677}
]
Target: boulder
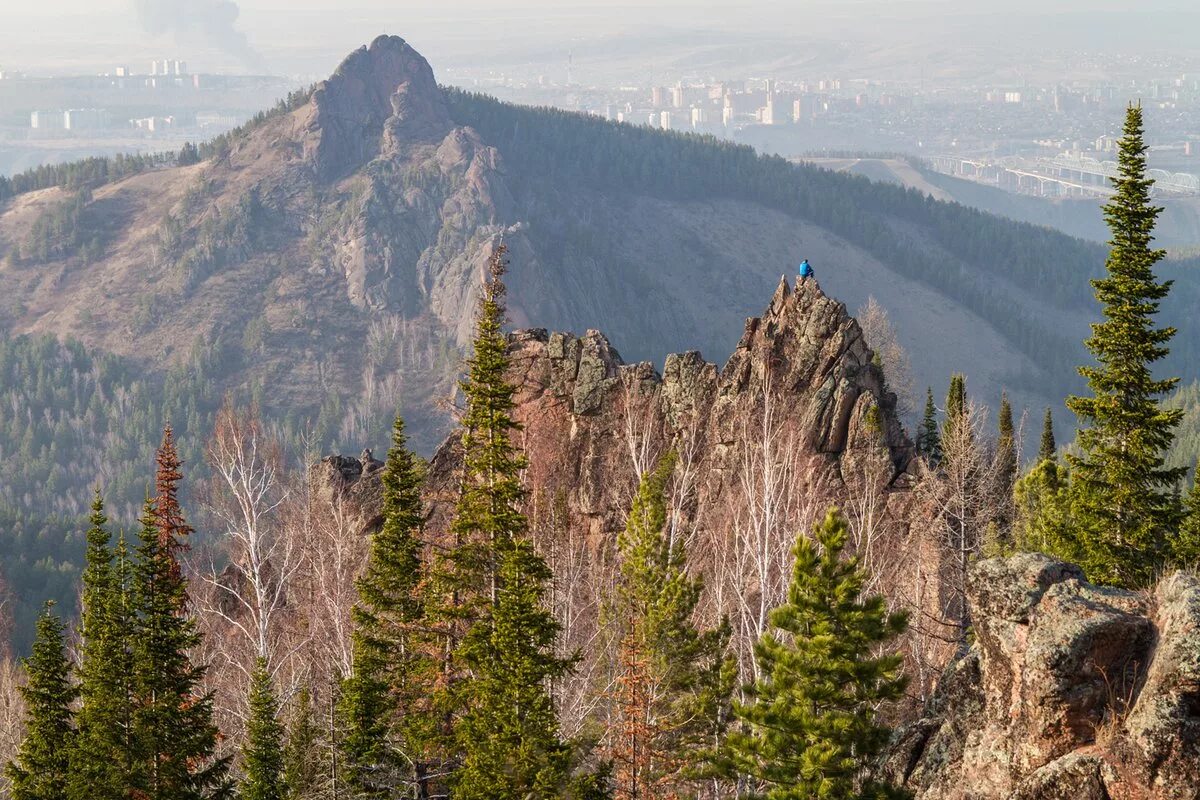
[{"x": 1069, "y": 691}]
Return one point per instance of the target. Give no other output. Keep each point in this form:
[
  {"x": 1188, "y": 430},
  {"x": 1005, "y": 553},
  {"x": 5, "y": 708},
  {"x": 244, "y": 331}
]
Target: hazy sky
[{"x": 308, "y": 37}]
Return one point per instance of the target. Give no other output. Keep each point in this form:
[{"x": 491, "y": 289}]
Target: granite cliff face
[{"x": 1070, "y": 692}]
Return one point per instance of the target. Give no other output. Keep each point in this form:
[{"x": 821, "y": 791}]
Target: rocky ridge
[{"x": 592, "y": 423}]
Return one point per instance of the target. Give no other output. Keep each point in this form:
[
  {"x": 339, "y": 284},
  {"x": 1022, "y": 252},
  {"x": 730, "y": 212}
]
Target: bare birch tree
[{"x": 881, "y": 337}]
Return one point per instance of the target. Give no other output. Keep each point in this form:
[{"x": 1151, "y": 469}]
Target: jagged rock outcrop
[
  {"x": 1070, "y": 691},
  {"x": 381, "y": 99},
  {"x": 352, "y": 486},
  {"x": 802, "y": 373}
]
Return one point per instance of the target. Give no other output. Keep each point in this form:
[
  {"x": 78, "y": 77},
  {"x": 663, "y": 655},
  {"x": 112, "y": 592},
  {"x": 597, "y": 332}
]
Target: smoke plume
[{"x": 208, "y": 22}]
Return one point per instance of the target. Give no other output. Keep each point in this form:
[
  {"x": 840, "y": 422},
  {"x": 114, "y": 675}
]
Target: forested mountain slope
[{"x": 324, "y": 260}]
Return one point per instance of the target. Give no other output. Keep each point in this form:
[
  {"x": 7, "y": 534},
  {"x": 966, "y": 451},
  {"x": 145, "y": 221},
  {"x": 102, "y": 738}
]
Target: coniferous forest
[{"x": 245, "y": 640}]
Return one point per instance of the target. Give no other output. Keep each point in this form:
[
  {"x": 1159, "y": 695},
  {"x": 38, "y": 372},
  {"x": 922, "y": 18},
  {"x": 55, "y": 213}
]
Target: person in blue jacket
[{"x": 806, "y": 271}]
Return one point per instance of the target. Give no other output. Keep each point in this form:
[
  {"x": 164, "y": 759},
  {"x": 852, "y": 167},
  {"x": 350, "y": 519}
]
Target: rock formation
[
  {"x": 592, "y": 423},
  {"x": 1071, "y": 692}
]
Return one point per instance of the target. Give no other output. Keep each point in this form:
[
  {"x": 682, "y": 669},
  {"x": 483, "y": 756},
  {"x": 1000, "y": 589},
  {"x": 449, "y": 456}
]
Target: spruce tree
[
  {"x": 812, "y": 725},
  {"x": 929, "y": 440},
  {"x": 41, "y": 768},
  {"x": 173, "y": 734},
  {"x": 509, "y": 733},
  {"x": 1124, "y": 505},
  {"x": 1005, "y": 475},
  {"x": 674, "y": 681},
  {"x": 101, "y": 759},
  {"x": 1006, "y": 446},
  {"x": 387, "y": 718},
  {"x": 504, "y": 725},
  {"x": 956, "y": 407},
  {"x": 1047, "y": 447},
  {"x": 262, "y": 752}
]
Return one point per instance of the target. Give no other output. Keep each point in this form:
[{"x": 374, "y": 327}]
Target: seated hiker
[{"x": 806, "y": 270}]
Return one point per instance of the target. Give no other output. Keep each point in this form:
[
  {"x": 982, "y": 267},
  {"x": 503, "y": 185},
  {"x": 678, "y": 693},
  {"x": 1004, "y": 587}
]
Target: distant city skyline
[{"x": 308, "y": 37}]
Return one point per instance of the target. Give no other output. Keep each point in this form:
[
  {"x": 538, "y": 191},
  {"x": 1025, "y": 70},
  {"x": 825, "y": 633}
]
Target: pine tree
[
  {"x": 505, "y": 729},
  {"x": 301, "y": 759},
  {"x": 40, "y": 771},
  {"x": 1124, "y": 505},
  {"x": 101, "y": 759},
  {"x": 674, "y": 682},
  {"x": 1047, "y": 448},
  {"x": 386, "y": 714},
  {"x": 812, "y": 726},
  {"x": 173, "y": 733},
  {"x": 262, "y": 752},
  {"x": 929, "y": 440}
]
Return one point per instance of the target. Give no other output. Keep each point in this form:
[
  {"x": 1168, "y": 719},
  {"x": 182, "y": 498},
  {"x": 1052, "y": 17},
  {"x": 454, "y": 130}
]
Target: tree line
[{"x": 455, "y": 657}]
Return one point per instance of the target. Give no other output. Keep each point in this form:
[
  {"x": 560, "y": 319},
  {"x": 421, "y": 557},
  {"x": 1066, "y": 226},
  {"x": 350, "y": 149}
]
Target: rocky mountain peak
[
  {"x": 592, "y": 422},
  {"x": 381, "y": 98}
]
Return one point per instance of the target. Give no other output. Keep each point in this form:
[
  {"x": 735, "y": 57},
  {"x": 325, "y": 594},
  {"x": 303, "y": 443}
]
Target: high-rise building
[
  {"x": 78, "y": 119},
  {"x": 664, "y": 121},
  {"x": 727, "y": 115},
  {"x": 658, "y": 96},
  {"x": 766, "y": 114},
  {"x": 46, "y": 120},
  {"x": 699, "y": 117},
  {"x": 677, "y": 100}
]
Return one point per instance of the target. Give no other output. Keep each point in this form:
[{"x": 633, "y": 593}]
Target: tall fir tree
[
  {"x": 956, "y": 407},
  {"x": 301, "y": 754},
  {"x": 1000, "y": 538},
  {"x": 1047, "y": 447},
  {"x": 387, "y": 718},
  {"x": 41, "y": 768},
  {"x": 368, "y": 764},
  {"x": 929, "y": 439},
  {"x": 812, "y": 725},
  {"x": 503, "y": 725},
  {"x": 674, "y": 681},
  {"x": 509, "y": 733},
  {"x": 1124, "y": 504},
  {"x": 1006, "y": 445},
  {"x": 174, "y": 737},
  {"x": 101, "y": 758},
  {"x": 262, "y": 751}
]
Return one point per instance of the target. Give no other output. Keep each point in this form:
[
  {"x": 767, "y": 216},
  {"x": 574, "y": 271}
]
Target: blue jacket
[{"x": 805, "y": 269}]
